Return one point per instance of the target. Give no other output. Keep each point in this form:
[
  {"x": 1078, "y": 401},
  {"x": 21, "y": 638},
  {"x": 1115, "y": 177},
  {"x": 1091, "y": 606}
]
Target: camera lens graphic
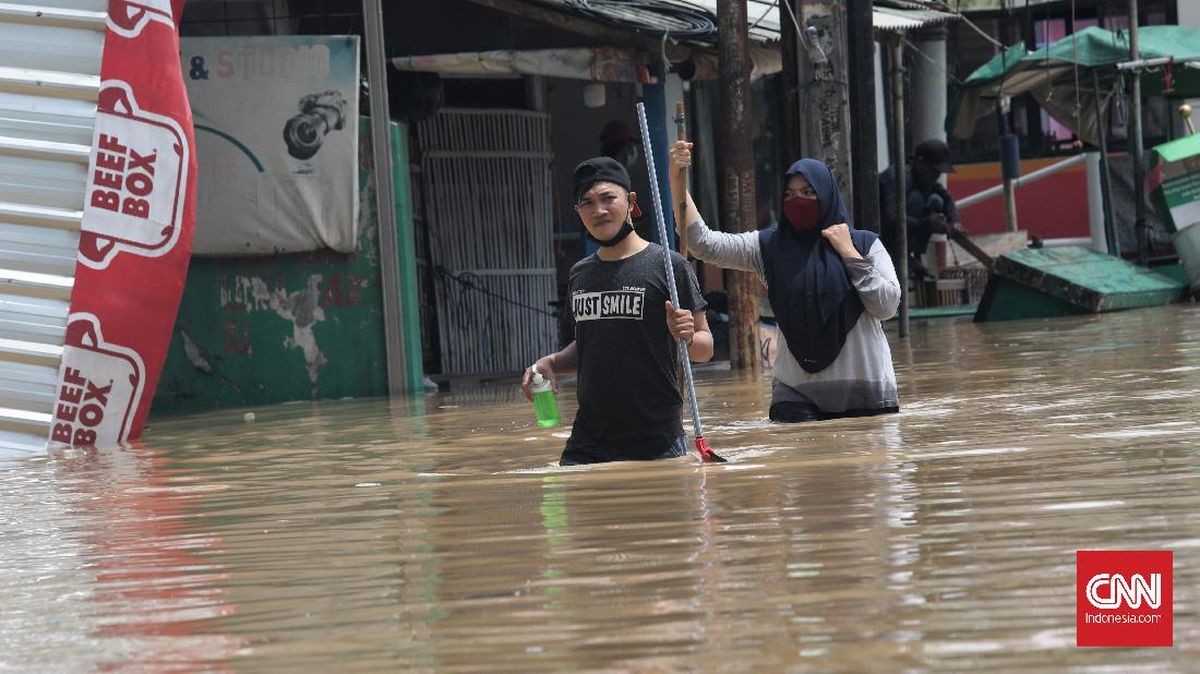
[{"x": 319, "y": 115}]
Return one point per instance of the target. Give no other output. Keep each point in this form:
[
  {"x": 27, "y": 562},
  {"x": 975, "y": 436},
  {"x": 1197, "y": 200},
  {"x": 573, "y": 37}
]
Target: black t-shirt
[{"x": 629, "y": 402}]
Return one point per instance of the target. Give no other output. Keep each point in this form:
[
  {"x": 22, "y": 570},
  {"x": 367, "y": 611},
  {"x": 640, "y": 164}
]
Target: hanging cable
[
  {"x": 977, "y": 29},
  {"x": 927, "y": 57},
  {"x": 468, "y": 282}
]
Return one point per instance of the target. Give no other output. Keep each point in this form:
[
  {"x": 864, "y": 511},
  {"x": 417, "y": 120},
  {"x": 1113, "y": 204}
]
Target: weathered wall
[{"x": 254, "y": 331}]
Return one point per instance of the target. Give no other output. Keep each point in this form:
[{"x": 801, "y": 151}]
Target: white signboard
[{"x": 276, "y": 121}]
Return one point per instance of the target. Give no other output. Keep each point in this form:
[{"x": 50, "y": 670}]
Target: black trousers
[{"x": 794, "y": 412}]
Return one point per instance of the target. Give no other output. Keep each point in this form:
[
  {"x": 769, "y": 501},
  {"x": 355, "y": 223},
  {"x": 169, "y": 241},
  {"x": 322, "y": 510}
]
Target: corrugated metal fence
[
  {"x": 49, "y": 84},
  {"x": 486, "y": 179}
]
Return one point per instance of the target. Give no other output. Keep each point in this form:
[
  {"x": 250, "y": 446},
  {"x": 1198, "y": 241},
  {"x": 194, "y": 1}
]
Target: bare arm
[
  {"x": 701, "y": 348},
  {"x": 731, "y": 251},
  {"x": 692, "y": 328}
]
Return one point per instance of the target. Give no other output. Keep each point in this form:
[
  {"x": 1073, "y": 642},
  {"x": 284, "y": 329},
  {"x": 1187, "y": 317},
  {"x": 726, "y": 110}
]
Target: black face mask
[
  {"x": 626, "y": 230},
  {"x": 635, "y": 211}
]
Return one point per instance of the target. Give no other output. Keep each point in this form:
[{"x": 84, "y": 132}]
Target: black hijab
[{"x": 814, "y": 302}]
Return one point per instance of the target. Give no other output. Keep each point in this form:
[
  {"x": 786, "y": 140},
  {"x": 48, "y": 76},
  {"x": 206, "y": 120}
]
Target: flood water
[{"x": 436, "y": 535}]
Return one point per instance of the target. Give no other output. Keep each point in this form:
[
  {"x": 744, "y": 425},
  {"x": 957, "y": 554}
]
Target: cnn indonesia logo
[{"x": 1123, "y": 598}]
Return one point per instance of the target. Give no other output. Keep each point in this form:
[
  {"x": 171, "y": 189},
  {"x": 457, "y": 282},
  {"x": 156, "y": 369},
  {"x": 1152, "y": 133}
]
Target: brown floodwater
[{"x": 437, "y": 535}]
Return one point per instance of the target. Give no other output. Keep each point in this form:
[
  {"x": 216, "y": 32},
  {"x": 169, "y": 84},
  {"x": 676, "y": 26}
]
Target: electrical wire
[
  {"x": 927, "y": 57},
  {"x": 467, "y": 283},
  {"x": 681, "y": 19},
  {"x": 989, "y": 38}
]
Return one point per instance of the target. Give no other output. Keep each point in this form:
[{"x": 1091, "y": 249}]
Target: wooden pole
[
  {"x": 900, "y": 236},
  {"x": 823, "y": 86},
  {"x": 680, "y": 225},
  {"x": 737, "y": 177}
]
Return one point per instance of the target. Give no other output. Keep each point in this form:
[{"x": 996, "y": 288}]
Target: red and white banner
[{"x": 136, "y": 234}]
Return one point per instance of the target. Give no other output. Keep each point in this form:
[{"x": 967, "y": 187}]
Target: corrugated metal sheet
[
  {"x": 762, "y": 17},
  {"x": 49, "y": 81},
  {"x": 890, "y": 20},
  {"x": 487, "y": 192}
]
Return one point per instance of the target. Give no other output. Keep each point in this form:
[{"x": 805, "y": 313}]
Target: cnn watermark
[{"x": 1123, "y": 598}]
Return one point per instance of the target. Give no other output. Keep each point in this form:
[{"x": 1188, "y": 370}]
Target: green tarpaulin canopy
[{"x": 1060, "y": 75}]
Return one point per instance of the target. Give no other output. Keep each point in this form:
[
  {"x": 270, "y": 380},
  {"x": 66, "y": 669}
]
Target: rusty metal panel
[
  {"x": 486, "y": 179},
  {"x": 50, "y": 54}
]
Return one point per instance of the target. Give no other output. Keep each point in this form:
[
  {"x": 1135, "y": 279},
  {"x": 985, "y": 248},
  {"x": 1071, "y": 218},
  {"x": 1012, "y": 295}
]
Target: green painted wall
[{"x": 305, "y": 326}]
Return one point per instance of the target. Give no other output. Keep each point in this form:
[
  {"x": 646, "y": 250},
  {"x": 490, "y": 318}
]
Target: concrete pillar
[
  {"x": 927, "y": 94},
  {"x": 1095, "y": 201},
  {"x": 927, "y": 101},
  {"x": 1189, "y": 16},
  {"x": 881, "y": 128}
]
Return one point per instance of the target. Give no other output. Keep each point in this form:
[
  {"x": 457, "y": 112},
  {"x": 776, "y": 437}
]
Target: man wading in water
[{"x": 625, "y": 331}]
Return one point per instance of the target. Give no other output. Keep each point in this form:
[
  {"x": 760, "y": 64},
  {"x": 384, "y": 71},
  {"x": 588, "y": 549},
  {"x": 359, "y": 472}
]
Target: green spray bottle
[{"x": 545, "y": 405}]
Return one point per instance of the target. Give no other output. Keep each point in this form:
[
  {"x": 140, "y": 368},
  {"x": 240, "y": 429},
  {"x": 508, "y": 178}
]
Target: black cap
[
  {"x": 935, "y": 153},
  {"x": 600, "y": 169}
]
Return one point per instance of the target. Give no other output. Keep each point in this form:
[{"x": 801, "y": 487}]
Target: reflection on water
[{"x": 437, "y": 535}]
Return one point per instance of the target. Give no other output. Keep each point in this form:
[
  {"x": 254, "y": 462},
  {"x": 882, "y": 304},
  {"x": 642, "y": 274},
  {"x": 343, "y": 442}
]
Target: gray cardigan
[{"x": 862, "y": 376}]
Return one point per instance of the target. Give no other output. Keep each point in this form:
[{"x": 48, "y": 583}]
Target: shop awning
[
  {"x": 597, "y": 64},
  {"x": 1060, "y": 75}
]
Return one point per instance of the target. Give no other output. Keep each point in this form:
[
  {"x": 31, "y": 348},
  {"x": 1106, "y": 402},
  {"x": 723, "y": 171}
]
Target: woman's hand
[
  {"x": 681, "y": 157},
  {"x": 838, "y": 237},
  {"x": 681, "y": 324}
]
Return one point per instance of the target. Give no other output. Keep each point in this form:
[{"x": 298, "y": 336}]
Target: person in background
[
  {"x": 617, "y": 140},
  {"x": 930, "y": 210}
]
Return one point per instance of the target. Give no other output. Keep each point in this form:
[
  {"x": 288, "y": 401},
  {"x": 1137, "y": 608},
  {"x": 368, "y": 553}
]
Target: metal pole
[
  {"x": 685, "y": 361},
  {"x": 737, "y": 176},
  {"x": 384, "y": 198},
  {"x": 1141, "y": 226},
  {"x": 864, "y": 158},
  {"x": 1110, "y": 235},
  {"x": 1010, "y": 206},
  {"x": 1022, "y": 181},
  {"x": 1140, "y": 64},
  {"x": 706, "y": 453},
  {"x": 1010, "y": 162},
  {"x": 900, "y": 236}
]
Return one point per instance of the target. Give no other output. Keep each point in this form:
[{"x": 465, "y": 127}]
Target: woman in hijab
[{"x": 830, "y": 286}]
